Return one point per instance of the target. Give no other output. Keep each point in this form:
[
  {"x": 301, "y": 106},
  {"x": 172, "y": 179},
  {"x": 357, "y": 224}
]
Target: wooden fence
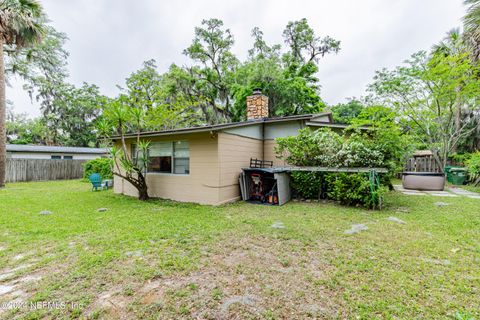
[
  {"x": 43, "y": 169},
  {"x": 423, "y": 164}
]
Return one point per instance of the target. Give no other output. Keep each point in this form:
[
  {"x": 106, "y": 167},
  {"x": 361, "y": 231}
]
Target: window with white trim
[
  {"x": 160, "y": 157},
  {"x": 181, "y": 157},
  {"x": 168, "y": 157},
  {"x": 135, "y": 155}
]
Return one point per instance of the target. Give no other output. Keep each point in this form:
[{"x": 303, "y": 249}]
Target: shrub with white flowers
[{"x": 325, "y": 148}]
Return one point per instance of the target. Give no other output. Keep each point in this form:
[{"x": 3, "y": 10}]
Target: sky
[{"x": 108, "y": 40}]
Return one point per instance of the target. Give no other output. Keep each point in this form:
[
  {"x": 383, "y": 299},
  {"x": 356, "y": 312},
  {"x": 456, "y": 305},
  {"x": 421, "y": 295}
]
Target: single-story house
[
  {"x": 202, "y": 164},
  {"x": 19, "y": 151}
]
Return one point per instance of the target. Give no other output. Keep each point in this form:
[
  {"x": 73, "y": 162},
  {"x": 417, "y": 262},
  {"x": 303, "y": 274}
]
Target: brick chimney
[{"x": 257, "y": 105}]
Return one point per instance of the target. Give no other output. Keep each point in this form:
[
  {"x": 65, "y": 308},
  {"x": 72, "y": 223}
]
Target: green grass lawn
[
  {"x": 472, "y": 188},
  {"x": 167, "y": 260}
]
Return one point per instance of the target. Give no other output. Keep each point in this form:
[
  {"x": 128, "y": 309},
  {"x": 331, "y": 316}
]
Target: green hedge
[
  {"x": 382, "y": 147},
  {"x": 352, "y": 189},
  {"x": 103, "y": 166},
  {"x": 307, "y": 184}
]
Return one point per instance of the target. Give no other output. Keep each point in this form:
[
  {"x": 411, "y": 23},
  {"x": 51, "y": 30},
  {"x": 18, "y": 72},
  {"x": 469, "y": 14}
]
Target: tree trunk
[
  {"x": 142, "y": 188},
  {"x": 139, "y": 183},
  {"x": 458, "y": 116},
  {"x": 143, "y": 194},
  {"x": 440, "y": 162},
  {"x": 3, "y": 107},
  {"x": 135, "y": 179}
]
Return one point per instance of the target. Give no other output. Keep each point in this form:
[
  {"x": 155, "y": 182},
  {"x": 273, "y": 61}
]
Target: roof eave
[
  {"x": 213, "y": 128},
  {"x": 219, "y": 127}
]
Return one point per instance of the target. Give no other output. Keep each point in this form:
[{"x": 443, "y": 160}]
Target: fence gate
[{"x": 18, "y": 170}]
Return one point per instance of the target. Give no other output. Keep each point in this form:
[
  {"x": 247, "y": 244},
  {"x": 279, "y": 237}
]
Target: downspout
[{"x": 263, "y": 140}]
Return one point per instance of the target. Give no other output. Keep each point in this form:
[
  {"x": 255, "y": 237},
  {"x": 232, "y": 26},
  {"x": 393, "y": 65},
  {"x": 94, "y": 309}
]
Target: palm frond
[
  {"x": 21, "y": 22},
  {"x": 472, "y": 18},
  {"x": 471, "y": 23},
  {"x": 451, "y": 44}
]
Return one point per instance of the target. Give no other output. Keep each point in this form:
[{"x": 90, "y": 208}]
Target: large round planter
[{"x": 429, "y": 181}]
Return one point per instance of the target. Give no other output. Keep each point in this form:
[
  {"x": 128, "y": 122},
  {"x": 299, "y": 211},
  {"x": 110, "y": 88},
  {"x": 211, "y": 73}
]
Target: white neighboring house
[{"x": 19, "y": 151}]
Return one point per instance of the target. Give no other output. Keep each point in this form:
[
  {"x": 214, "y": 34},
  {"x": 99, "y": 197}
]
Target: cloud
[{"x": 110, "y": 39}]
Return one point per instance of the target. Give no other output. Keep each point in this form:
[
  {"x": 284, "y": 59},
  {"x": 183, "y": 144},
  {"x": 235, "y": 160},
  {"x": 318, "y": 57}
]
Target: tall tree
[
  {"x": 453, "y": 44},
  {"x": 161, "y": 99},
  {"x": 44, "y": 60},
  {"x": 288, "y": 79},
  {"x": 304, "y": 45},
  {"x": 263, "y": 70},
  {"x": 22, "y": 130},
  {"x": 211, "y": 49},
  {"x": 119, "y": 117},
  {"x": 428, "y": 90},
  {"x": 20, "y": 26},
  {"x": 143, "y": 86},
  {"x": 44, "y": 69},
  {"x": 347, "y": 112},
  {"x": 68, "y": 112},
  {"x": 456, "y": 43},
  {"x": 217, "y": 84},
  {"x": 78, "y": 110}
]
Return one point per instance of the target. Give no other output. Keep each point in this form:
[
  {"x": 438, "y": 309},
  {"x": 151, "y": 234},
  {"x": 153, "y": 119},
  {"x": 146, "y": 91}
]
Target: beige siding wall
[
  {"x": 234, "y": 154},
  {"x": 270, "y": 154},
  {"x": 200, "y": 186},
  {"x": 215, "y": 164},
  {"x": 117, "y": 184}
]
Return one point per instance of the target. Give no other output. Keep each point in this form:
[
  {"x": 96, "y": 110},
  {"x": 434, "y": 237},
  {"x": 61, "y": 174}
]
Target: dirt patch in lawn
[
  {"x": 238, "y": 278},
  {"x": 17, "y": 289},
  {"x": 20, "y": 282}
]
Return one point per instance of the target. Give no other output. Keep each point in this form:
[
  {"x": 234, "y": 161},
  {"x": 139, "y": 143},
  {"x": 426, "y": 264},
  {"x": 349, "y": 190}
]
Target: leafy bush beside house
[
  {"x": 103, "y": 166},
  {"x": 311, "y": 148},
  {"x": 307, "y": 185},
  {"x": 353, "y": 189},
  {"x": 325, "y": 148}
]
